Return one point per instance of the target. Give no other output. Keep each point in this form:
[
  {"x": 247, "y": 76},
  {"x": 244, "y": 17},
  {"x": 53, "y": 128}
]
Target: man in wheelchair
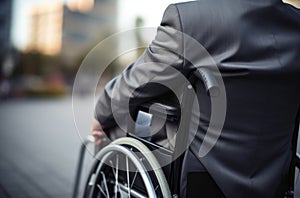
[{"x": 250, "y": 153}]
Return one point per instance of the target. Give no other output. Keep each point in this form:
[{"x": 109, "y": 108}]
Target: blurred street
[{"x": 39, "y": 147}]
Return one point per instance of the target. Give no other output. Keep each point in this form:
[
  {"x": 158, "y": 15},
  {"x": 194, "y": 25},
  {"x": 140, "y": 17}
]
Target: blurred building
[
  {"x": 5, "y": 40},
  {"x": 85, "y": 23},
  {"x": 46, "y": 29},
  {"x": 71, "y": 30}
]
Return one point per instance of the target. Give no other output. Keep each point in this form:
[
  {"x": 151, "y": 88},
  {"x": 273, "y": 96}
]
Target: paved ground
[{"x": 39, "y": 146}]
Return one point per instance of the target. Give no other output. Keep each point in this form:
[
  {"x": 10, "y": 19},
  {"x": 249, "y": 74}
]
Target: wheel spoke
[
  {"x": 116, "y": 176},
  {"x": 134, "y": 179},
  {"x": 128, "y": 179},
  {"x": 101, "y": 190},
  {"x": 112, "y": 168},
  {"x": 134, "y": 193},
  {"x": 156, "y": 187},
  {"x": 105, "y": 184}
]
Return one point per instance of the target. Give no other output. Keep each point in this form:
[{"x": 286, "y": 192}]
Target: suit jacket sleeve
[{"x": 133, "y": 83}]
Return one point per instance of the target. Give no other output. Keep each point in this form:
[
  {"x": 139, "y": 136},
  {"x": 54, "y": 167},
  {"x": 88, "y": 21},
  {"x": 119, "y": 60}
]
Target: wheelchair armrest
[
  {"x": 156, "y": 122},
  {"x": 298, "y": 161},
  {"x": 160, "y": 109}
]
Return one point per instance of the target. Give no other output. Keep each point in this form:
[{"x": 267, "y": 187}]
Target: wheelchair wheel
[{"x": 126, "y": 168}]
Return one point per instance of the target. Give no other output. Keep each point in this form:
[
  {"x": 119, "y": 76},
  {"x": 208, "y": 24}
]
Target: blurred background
[
  {"x": 44, "y": 42},
  {"x": 42, "y": 46}
]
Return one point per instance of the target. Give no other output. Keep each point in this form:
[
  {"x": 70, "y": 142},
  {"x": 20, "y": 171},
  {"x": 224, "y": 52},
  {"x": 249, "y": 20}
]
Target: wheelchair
[
  {"x": 144, "y": 165},
  {"x": 141, "y": 164}
]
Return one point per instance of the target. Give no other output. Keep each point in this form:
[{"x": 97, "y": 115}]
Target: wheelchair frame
[{"x": 138, "y": 143}]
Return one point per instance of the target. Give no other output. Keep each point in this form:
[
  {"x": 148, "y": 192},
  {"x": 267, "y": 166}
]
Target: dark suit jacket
[{"x": 256, "y": 46}]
